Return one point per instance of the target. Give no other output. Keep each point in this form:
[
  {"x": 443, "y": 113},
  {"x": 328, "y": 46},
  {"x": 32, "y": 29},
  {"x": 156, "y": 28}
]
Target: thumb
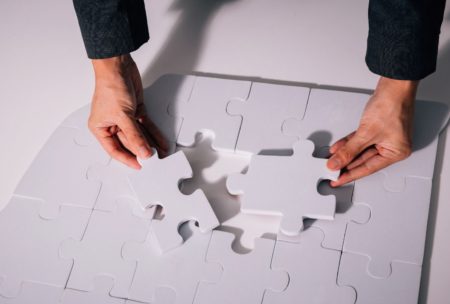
[
  {"x": 136, "y": 141},
  {"x": 346, "y": 153}
]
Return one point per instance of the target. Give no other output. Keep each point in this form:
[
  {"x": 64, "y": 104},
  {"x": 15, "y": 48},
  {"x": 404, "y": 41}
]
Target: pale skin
[{"x": 119, "y": 122}]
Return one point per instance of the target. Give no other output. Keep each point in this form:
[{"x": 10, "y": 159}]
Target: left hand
[{"x": 384, "y": 135}]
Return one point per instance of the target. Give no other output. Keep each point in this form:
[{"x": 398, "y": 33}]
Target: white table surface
[{"x": 45, "y": 74}]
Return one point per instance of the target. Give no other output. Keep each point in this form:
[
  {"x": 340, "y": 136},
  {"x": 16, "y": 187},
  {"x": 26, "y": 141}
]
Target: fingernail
[
  {"x": 144, "y": 152},
  {"x": 334, "y": 164}
]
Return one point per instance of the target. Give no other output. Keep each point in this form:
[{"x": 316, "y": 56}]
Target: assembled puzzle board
[{"x": 240, "y": 212}]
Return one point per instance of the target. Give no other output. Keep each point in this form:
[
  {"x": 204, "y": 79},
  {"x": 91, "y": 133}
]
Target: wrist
[
  {"x": 107, "y": 67},
  {"x": 397, "y": 91}
]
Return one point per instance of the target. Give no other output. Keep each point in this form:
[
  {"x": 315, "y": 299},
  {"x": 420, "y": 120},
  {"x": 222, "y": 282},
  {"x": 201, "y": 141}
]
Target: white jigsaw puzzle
[
  {"x": 287, "y": 186},
  {"x": 82, "y": 228},
  {"x": 206, "y": 110},
  {"x": 157, "y": 184},
  {"x": 312, "y": 272},
  {"x": 263, "y": 114},
  {"x": 402, "y": 286},
  {"x": 168, "y": 90},
  {"x": 396, "y": 230},
  {"x": 330, "y": 115},
  {"x": 245, "y": 277},
  {"x": 182, "y": 268},
  {"x": 100, "y": 250},
  {"x": 30, "y": 244},
  {"x": 58, "y": 175}
]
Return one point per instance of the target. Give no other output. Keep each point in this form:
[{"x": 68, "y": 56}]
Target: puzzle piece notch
[
  {"x": 263, "y": 114},
  {"x": 61, "y": 157},
  {"x": 206, "y": 110},
  {"x": 402, "y": 286},
  {"x": 157, "y": 184},
  {"x": 271, "y": 186},
  {"x": 33, "y": 292},
  {"x": 181, "y": 268},
  {"x": 28, "y": 232},
  {"x": 312, "y": 272},
  {"x": 239, "y": 270},
  {"x": 100, "y": 250},
  {"x": 386, "y": 237},
  {"x": 169, "y": 90}
]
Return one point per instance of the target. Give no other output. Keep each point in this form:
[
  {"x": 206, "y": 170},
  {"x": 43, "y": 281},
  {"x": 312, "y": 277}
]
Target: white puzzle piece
[
  {"x": 287, "y": 186},
  {"x": 30, "y": 244},
  {"x": 181, "y": 269},
  {"x": 100, "y": 295},
  {"x": 35, "y": 293},
  {"x": 330, "y": 115},
  {"x": 263, "y": 114},
  {"x": 114, "y": 186},
  {"x": 429, "y": 119},
  {"x": 346, "y": 212},
  {"x": 100, "y": 250},
  {"x": 245, "y": 277},
  {"x": 168, "y": 90},
  {"x": 206, "y": 110},
  {"x": 396, "y": 230},
  {"x": 157, "y": 184},
  {"x": 312, "y": 272},
  {"x": 402, "y": 286},
  {"x": 58, "y": 175},
  {"x": 210, "y": 170},
  {"x": 79, "y": 120}
]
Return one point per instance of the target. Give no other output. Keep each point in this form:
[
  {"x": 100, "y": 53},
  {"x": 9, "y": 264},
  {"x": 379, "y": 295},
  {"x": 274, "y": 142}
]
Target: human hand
[
  {"x": 118, "y": 115},
  {"x": 383, "y": 136}
]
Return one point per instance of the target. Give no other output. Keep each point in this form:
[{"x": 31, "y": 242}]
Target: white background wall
[{"x": 45, "y": 75}]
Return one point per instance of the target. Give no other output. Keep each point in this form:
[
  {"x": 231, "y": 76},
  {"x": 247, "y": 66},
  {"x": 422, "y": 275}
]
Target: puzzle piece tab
[
  {"x": 287, "y": 186},
  {"x": 157, "y": 184}
]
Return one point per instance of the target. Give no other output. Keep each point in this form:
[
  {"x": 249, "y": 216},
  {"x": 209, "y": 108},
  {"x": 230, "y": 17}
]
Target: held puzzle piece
[
  {"x": 157, "y": 184},
  {"x": 115, "y": 239},
  {"x": 286, "y": 186}
]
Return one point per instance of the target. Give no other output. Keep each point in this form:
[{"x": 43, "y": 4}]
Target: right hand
[{"x": 118, "y": 115}]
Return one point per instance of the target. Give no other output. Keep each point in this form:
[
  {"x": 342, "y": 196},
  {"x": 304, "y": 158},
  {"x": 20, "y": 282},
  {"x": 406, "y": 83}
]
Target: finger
[
  {"x": 116, "y": 151},
  {"x": 342, "y": 157},
  {"x": 340, "y": 143},
  {"x": 155, "y": 134},
  {"x": 362, "y": 158},
  {"x": 370, "y": 166},
  {"x": 136, "y": 141}
]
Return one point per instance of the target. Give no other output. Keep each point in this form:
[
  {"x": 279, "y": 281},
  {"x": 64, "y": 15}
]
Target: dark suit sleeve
[
  {"x": 111, "y": 27},
  {"x": 403, "y": 37}
]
